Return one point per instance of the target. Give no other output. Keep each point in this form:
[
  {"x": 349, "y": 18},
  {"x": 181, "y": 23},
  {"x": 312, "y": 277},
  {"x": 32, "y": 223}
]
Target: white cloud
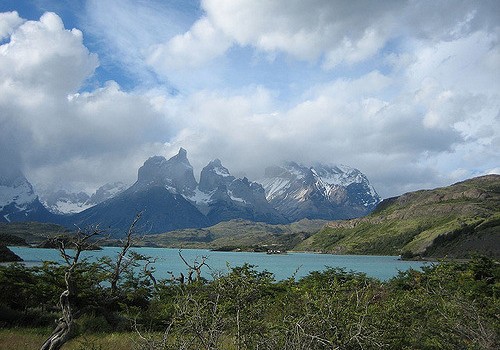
[
  {"x": 305, "y": 30},
  {"x": 403, "y": 140},
  {"x": 200, "y": 44},
  {"x": 9, "y": 21},
  {"x": 404, "y": 90},
  {"x": 126, "y": 30},
  {"x": 55, "y": 133},
  {"x": 43, "y": 55}
]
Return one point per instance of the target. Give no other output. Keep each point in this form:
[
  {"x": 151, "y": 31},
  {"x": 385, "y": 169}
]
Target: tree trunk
[{"x": 62, "y": 332}]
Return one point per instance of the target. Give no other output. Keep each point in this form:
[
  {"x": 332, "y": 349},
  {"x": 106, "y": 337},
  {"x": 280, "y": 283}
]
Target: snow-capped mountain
[
  {"x": 223, "y": 197},
  {"x": 170, "y": 198},
  {"x": 158, "y": 193},
  {"x": 175, "y": 174},
  {"x": 66, "y": 202},
  {"x": 319, "y": 192},
  {"x": 219, "y": 196},
  {"x": 18, "y": 201}
]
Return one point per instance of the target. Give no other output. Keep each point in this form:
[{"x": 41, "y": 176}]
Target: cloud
[
  {"x": 191, "y": 49},
  {"x": 52, "y": 131},
  {"x": 8, "y": 22},
  {"x": 42, "y": 55},
  {"x": 404, "y": 130},
  {"x": 125, "y": 31},
  {"x": 405, "y": 91},
  {"x": 334, "y": 32},
  {"x": 303, "y": 30}
]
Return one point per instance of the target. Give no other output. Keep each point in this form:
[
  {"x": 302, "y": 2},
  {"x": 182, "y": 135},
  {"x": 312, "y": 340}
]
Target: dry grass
[{"x": 29, "y": 339}]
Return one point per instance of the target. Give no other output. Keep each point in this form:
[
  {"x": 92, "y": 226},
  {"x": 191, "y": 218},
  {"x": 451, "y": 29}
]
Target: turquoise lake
[{"x": 282, "y": 266}]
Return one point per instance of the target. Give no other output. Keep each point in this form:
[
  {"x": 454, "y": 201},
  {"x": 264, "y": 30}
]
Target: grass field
[{"x": 29, "y": 339}]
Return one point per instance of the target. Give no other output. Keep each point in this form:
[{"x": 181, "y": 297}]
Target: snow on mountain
[
  {"x": 18, "y": 201},
  {"x": 16, "y": 190},
  {"x": 67, "y": 202},
  {"x": 214, "y": 175},
  {"x": 222, "y": 197},
  {"x": 106, "y": 192},
  {"x": 170, "y": 197},
  {"x": 319, "y": 192}
]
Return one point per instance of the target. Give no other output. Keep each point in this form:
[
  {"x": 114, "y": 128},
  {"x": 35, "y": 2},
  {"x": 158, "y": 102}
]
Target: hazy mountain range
[
  {"x": 456, "y": 221},
  {"x": 169, "y": 197}
]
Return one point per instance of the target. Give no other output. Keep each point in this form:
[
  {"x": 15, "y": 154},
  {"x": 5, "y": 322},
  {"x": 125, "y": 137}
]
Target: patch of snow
[
  {"x": 221, "y": 171},
  {"x": 116, "y": 190},
  {"x": 298, "y": 173},
  {"x": 275, "y": 187},
  {"x": 236, "y": 199},
  {"x": 199, "y": 197},
  {"x": 64, "y": 207},
  {"x": 171, "y": 189},
  {"x": 21, "y": 194},
  {"x": 301, "y": 195}
]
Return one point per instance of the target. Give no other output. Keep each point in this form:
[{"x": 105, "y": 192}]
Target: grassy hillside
[
  {"x": 454, "y": 221},
  {"x": 238, "y": 234},
  {"x": 28, "y": 232}
]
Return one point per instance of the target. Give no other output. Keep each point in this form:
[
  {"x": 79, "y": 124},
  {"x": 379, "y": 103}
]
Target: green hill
[
  {"x": 23, "y": 233},
  {"x": 237, "y": 235},
  {"x": 455, "y": 221}
]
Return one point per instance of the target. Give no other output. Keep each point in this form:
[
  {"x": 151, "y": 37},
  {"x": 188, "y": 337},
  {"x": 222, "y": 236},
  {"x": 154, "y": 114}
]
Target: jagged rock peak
[
  {"x": 215, "y": 163},
  {"x": 152, "y": 170},
  {"x": 181, "y": 156},
  {"x": 213, "y": 175},
  {"x": 15, "y": 188},
  {"x": 319, "y": 191},
  {"x": 176, "y": 174}
]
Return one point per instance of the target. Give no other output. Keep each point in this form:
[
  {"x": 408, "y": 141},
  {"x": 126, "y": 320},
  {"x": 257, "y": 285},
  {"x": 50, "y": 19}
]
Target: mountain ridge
[
  {"x": 177, "y": 200},
  {"x": 458, "y": 220},
  {"x": 319, "y": 191}
]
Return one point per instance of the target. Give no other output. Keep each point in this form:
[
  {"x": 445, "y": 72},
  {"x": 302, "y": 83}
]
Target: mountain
[
  {"x": 170, "y": 198},
  {"x": 319, "y": 192},
  {"x": 223, "y": 197},
  {"x": 158, "y": 193},
  {"x": 455, "y": 221},
  {"x": 66, "y": 202},
  {"x": 175, "y": 174},
  {"x": 18, "y": 201}
]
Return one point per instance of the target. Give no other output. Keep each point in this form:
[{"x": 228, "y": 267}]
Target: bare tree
[
  {"x": 195, "y": 267},
  {"x": 65, "y": 323},
  {"x": 121, "y": 263}
]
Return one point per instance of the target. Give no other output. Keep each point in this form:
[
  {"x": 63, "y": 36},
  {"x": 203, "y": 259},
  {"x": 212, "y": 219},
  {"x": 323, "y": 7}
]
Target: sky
[{"x": 408, "y": 92}]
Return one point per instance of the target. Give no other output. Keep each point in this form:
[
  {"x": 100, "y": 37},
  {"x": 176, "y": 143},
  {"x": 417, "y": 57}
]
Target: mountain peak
[
  {"x": 15, "y": 188},
  {"x": 181, "y": 156},
  {"x": 176, "y": 173},
  {"x": 215, "y": 163},
  {"x": 319, "y": 191},
  {"x": 213, "y": 175}
]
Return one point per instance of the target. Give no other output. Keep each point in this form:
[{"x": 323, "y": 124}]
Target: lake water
[{"x": 281, "y": 265}]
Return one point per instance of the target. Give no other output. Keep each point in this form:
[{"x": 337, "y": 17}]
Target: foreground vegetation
[{"x": 445, "y": 306}]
